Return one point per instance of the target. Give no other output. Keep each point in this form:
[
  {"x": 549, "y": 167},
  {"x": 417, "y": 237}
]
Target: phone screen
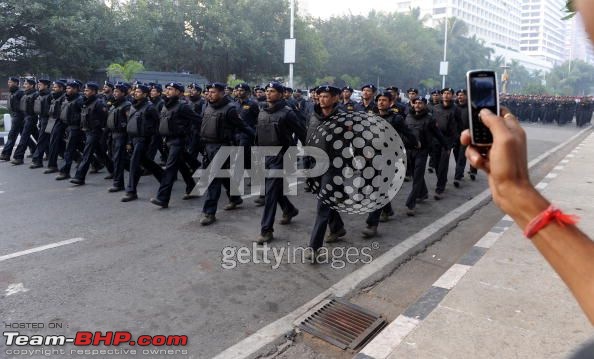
[{"x": 482, "y": 86}]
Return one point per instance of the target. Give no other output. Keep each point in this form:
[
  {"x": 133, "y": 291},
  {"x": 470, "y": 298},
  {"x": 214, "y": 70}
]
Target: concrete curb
[{"x": 264, "y": 341}]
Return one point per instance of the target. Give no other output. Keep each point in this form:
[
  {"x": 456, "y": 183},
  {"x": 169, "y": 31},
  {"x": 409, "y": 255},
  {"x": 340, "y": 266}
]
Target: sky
[{"x": 328, "y": 8}]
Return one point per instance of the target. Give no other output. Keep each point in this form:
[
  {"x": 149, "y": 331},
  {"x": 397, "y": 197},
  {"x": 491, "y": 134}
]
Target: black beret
[
  {"x": 216, "y": 85},
  {"x": 92, "y": 86},
  {"x": 144, "y": 88},
  {"x": 60, "y": 83},
  {"x": 435, "y": 92},
  {"x": 422, "y": 99},
  {"x": 176, "y": 85},
  {"x": 45, "y": 81},
  {"x": 73, "y": 84},
  {"x": 412, "y": 89},
  {"x": 258, "y": 87},
  {"x": 195, "y": 86},
  {"x": 299, "y": 91},
  {"x": 243, "y": 86},
  {"x": 348, "y": 88},
  {"x": 30, "y": 80},
  {"x": 461, "y": 91},
  {"x": 14, "y": 79},
  {"x": 108, "y": 84},
  {"x": 449, "y": 89},
  {"x": 229, "y": 88},
  {"x": 387, "y": 94},
  {"x": 121, "y": 87},
  {"x": 288, "y": 89},
  {"x": 371, "y": 86},
  {"x": 275, "y": 85},
  {"x": 328, "y": 88},
  {"x": 157, "y": 87},
  {"x": 393, "y": 88}
]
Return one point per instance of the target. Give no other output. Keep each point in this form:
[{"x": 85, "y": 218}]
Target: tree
[{"x": 126, "y": 71}]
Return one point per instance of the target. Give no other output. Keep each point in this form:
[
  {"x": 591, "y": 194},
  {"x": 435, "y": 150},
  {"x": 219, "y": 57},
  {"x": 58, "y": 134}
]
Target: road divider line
[{"x": 40, "y": 249}]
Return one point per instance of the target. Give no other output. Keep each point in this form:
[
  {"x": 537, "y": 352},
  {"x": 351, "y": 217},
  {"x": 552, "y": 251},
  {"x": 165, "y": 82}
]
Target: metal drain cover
[{"x": 343, "y": 324}]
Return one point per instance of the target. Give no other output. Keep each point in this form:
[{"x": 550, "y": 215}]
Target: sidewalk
[{"x": 501, "y": 300}]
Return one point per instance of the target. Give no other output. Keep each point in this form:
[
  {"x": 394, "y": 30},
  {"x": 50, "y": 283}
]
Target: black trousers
[
  {"x": 373, "y": 218},
  {"x": 325, "y": 217},
  {"x": 274, "y": 195},
  {"x": 442, "y": 170},
  {"x": 213, "y": 192},
  {"x": 119, "y": 157},
  {"x": 175, "y": 162},
  {"x": 75, "y": 136},
  {"x": 29, "y": 129},
  {"x": 419, "y": 187},
  {"x": 56, "y": 144},
  {"x": 16, "y": 128},
  {"x": 91, "y": 145},
  {"x": 42, "y": 142},
  {"x": 140, "y": 157}
]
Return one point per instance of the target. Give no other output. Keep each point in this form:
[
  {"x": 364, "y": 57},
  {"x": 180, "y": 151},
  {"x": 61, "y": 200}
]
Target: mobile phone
[{"x": 482, "y": 93}]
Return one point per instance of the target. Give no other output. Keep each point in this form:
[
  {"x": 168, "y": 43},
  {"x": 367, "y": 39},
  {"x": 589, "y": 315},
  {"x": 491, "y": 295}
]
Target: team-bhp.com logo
[
  {"x": 356, "y": 162},
  {"x": 121, "y": 340}
]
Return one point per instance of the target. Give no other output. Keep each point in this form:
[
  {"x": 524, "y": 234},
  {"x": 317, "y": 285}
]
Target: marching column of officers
[{"x": 124, "y": 127}]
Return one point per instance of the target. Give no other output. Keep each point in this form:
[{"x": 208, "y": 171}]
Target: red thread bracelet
[{"x": 546, "y": 217}]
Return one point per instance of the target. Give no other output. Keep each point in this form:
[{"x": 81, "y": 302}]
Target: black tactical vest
[
  {"x": 67, "y": 113},
  {"x": 40, "y": 106},
  {"x": 138, "y": 126},
  {"x": 167, "y": 122},
  {"x": 116, "y": 119},
  {"x": 28, "y": 102},
  {"x": 267, "y": 131},
  {"x": 213, "y": 129}
]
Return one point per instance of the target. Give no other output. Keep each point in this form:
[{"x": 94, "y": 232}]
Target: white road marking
[
  {"x": 450, "y": 278},
  {"x": 541, "y": 185},
  {"x": 15, "y": 288},
  {"x": 559, "y": 168},
  {"x": 551, "y": 175},
  {"x": 39, "y": 249},
  {"x": 1, "y": 192}
]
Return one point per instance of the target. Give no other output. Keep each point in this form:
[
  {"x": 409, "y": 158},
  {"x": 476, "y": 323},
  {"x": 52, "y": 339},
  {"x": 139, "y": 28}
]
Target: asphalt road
[{"x": 156, "y": 271}]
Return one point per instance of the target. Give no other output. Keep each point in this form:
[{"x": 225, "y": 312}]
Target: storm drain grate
[{"x": 343, "y": 324}]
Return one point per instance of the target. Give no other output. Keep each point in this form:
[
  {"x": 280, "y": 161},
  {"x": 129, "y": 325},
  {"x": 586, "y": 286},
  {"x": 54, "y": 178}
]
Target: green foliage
[
  {"x": 233, "y": 81},
  {"x": 573, "y": 78},
  {"x": 126, "y": 71},
  {"x": 534, "y": 89}
]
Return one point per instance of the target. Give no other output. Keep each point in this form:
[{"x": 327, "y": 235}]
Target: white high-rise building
[
  {"x": 577, "y": 44},
  {"x": 543, "y": 30}
]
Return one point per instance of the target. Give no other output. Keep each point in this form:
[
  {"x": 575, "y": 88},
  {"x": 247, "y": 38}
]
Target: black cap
[
  {"x": 393, "y": 88},
  {"x": 333, "y": 90},
  {"x": 157, "y": 87},
  {"x": 61, "y": 83},
  {"x": 424, "y": 100},
  {"x": 258, "y": 87},
  {"x": 288, "y": 89},
  {"x": 30, "y": 80},
  {"x": 92, "y": 85},
  {"x": 216, "y": 85},
  {"x": 73, "y": 84},
  {"x": 412, "y": 89},
  {"x": 243, "y": 86},
  {"x": 195, "y": 86},
  {"x": 176, "y": 85},
  {"x": 435, "y": 92},
  {"x": 371, "y": 86},
  {"x": 461, "y": 91},
  {"x": 108, "y": 84},
  {"x": 449, "y": 89},
  {"x": 144, "y": 88},
  {"x": 348, "y": 88},
  {"x": 275, "y": 85},
  {"x": 121, "y": 87},
  {"x": 46, "y": 82},
  {"x": 387, "y": 94},
  {"x": 14, "y": 79}
]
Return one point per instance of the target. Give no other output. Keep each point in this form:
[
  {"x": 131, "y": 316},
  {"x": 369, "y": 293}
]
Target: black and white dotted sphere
[{"x": 367, "y": 162}]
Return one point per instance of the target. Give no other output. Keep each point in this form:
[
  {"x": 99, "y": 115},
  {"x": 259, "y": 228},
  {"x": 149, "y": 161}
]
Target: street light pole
[
  {"x": 445, "y": 46},
  {"x": 291, "y": 36}
]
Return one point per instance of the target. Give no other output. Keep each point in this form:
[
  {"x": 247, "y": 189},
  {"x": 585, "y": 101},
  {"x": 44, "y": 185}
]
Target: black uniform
[
  {"x": 248, "y": 111},
  {"x": 194, "y": 146},
  {"x": 157, "y": 142},
  {"x": 219, "y": 123},
  {"x": 27, "y": 105},
  {"x": 445, "y": 116},
  {"x": 326, "y": 216},
  {"x": 462, "y": 113},
  {"x": 142, "y": 124},
  {"x": 175, "y": 122},
  {"x": 70, "y": 112},
  {"x": 117, "y": 121},
  {"x": 370, "y": 108},
  {"x": 277, "y": 124},
  {"x": 42, "y": 107},
  {"x": 56, "y": 129},
  {"x": 92, "y": 120},
  {"x": 17, "y": 121}
]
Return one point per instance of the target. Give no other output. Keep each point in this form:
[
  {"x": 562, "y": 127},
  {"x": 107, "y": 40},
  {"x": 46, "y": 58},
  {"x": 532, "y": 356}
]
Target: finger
[
  {"x": 493, "y": 122},
  {"x": 510, "y": 120},
  {"x": 465, "y": 138},
  {"x": 477, "y": 160}
]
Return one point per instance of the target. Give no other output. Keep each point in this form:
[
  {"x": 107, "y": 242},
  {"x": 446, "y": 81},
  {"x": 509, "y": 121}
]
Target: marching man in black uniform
[
  {"x": 17, "y": 117},
  {"x": 30, "y": 124},
  {"x": 277, "y": 123},
  {"x": 41, "y": 108},
  {"x": 117, "y": 121}
]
